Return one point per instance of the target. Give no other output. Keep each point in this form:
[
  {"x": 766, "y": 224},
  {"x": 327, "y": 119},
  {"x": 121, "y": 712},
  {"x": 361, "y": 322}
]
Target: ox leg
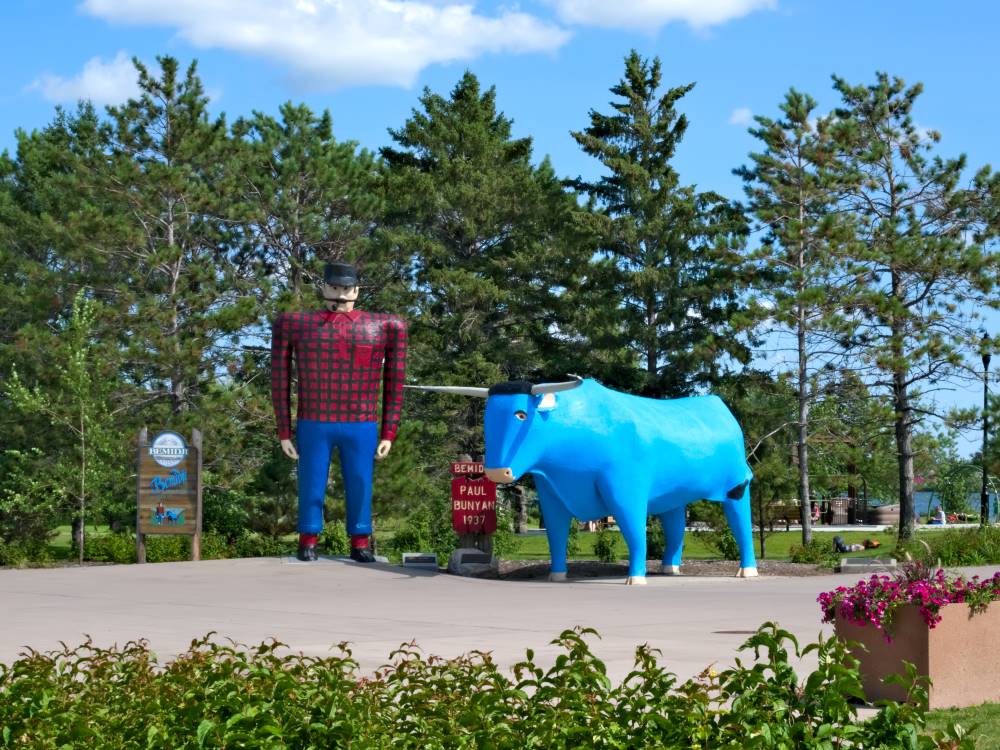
[
  {"x": 673, "y": 540},
  {"x": 557, "y": 522},
  {"x": 738, "y": 515},
  {"x": 627, "y": 502}
]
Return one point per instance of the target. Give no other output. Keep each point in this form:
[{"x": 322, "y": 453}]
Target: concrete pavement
[{"x": 695, "y": 621}]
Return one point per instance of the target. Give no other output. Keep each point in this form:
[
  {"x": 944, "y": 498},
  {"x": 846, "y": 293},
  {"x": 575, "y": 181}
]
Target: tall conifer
[
  {"x": 920, "y": 265},
  {"x": 792, "y": 190},
  {"x": 664, "y": 291}
]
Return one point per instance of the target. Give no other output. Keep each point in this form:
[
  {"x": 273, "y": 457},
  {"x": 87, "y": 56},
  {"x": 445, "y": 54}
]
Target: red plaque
[
  {"x": 459, "y": 468},
  {"x": 473, "y": 505}
]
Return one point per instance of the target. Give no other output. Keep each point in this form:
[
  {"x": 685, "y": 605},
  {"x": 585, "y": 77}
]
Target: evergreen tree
[
  {"x": 311, "y": 197},
  {"x": 665, "y": 289},
  {"x": 185, "y": 298},
  {"x": 920, "y": 264},
  {"x": 483, "y": 229},
  {"x": 792, "y": 190}
]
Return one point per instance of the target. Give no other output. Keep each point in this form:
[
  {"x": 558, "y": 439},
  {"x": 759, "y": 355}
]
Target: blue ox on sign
[{"x": 595, "y": 452}]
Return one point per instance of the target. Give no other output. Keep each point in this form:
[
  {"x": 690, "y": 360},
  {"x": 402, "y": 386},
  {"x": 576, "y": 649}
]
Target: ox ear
[
  {"x": 546, "y": 402},
  {"x": 458, "y": 390},
  {"x": 541, "y": 388}
]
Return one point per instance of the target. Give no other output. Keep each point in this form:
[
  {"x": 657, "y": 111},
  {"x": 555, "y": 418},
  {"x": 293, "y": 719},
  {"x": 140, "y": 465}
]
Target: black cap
[{"x": 340, "y": 274}]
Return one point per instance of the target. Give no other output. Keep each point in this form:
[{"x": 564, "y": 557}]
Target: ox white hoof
[
  {"x": 635, "y": 581},
  {"x": 670, "y": 570},
  {"x": 557, "y": 576},
  {"x": 746, "y": 573}
]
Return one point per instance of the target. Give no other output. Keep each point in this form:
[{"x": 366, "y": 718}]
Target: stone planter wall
[{"x": 961, "y": 654}]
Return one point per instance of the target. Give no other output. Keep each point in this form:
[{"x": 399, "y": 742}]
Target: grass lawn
[
  {"x": 536, "y": 546},
  {"x": 986, "y": 716},
  {"x": 779, "y": 544}
]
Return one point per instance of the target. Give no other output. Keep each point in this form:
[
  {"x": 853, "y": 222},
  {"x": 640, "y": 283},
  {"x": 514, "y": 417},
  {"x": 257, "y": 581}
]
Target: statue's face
[{"x": 335, "y": 293}]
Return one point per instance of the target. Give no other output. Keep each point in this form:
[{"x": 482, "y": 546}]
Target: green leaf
[{"x": 204, "y": 728}]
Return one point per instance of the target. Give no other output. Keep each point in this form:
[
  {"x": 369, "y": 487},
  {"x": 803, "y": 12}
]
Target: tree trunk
[
  {"x": 520, "y": 511},
  {"x": 805, "y": 509},
  {"x": 904, "y": 446},
  {"x": 83, "y": 483}
]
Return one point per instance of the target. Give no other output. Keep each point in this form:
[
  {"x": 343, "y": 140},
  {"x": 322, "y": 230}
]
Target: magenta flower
[{"x": 875, "y": 600}]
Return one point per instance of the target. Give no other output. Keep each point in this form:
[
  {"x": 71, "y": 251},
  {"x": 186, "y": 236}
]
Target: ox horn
[
  {"x": 458, "y": 390},
  {"x": 537, "y": 390}
]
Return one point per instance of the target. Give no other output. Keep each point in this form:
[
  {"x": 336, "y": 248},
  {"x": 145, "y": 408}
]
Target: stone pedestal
[{"x": 469, "y": 561}]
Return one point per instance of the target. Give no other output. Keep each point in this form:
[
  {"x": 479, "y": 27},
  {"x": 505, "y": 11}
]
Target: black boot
[
  {"x": 307, "y": 552},
  {"x": 362, "y": 555}
]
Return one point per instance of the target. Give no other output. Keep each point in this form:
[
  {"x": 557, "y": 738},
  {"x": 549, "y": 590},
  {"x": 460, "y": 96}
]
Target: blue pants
[{"x": 357, "y": 442}]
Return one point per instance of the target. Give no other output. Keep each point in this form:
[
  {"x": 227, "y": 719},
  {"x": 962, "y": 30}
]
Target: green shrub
[
  {"x": 334, "y": 540},
  {"x": 24, "y": 553},
  {"x": 655, "y": 544},
  {"x": 819, "y": 551},
  {"x": 215, "y": 547},
  {"x": 113, "y": 548},
  {"x": 427, "y": 528},
  {"x": 167, "y": 548},
  {"x": 255, "y": 544},
  {"x": 721, "y": 540},
  {"x": 573, "y": 540},
  {"x": 225, "y": 512},
  {"x": 605, "y": 543},
  {"x": 505, "y": 541},
  {"x": 222, "y": 695},
  {"x": 956, "y": 547}
]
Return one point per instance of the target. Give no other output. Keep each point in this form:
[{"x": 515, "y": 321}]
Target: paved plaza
[{"x": 695, "y": 621}]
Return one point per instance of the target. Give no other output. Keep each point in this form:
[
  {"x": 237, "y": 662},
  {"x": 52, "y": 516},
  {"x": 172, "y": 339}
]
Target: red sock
[
  {"x": 359, "y": 541},
  {"x": 307, "y": 539}
]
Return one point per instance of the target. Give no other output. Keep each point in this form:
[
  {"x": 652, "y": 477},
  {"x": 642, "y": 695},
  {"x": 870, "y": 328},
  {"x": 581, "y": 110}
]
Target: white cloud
[
  {"x": 643, "y": 15},
  {"x": 741, "y": 116},
  {"x": 102, "y": 82},
  {"x": 330, "y": 43}
]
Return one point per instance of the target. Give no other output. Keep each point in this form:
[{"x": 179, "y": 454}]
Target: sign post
[
  {"x": 169, "y": 492},
  {"x": 473, "y": 506}
]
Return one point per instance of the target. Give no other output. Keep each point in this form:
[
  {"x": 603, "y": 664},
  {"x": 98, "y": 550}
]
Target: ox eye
[{"x": 521, "y": 415}]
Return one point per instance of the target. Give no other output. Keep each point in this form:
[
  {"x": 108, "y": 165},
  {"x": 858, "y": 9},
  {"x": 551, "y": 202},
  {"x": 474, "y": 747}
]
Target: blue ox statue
[{"x": 595, "y": 452}]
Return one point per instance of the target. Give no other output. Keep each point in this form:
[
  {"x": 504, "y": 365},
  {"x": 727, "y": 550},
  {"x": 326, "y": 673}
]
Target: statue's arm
[
  {"x": 281, "y": 381},
  {"x": 393, "y": 377}
]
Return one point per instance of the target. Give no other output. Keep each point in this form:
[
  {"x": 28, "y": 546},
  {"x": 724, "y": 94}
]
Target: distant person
[{"x": 939, "y": 516}]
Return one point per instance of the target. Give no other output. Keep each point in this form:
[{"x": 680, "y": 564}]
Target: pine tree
[
  {"x": 312, "y": 198},
  {"x": 665, "y": 289},
  {"x": 186, "y": 300},
  {"x": 792, "y": 191},
  {"x": 483, "y": 229},
  {"x": 920, "y": 264}
]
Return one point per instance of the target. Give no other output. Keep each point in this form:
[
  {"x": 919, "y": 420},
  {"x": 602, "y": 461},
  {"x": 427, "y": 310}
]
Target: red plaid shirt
[{"x": 339, "y": 364}]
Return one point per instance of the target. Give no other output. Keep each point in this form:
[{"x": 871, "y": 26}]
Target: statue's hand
[
  {"x": 289, "y": 448},
  {"x": 383, "y": 449}
]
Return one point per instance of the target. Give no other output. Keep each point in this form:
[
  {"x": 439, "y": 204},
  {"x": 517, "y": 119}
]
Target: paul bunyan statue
[{"x": 343, "y": 357}]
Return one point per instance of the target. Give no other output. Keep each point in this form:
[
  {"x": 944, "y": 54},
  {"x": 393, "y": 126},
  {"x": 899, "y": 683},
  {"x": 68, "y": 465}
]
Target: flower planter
[{"x": 960, "y": 654}]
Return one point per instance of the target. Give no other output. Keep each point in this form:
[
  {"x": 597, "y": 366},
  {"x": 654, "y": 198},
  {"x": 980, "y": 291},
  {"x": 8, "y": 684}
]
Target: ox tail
[{"x": 737, "y": 492}]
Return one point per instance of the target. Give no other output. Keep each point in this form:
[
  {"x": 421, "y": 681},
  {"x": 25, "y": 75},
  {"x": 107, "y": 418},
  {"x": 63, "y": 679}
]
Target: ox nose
[{"x": 500, "y": 476}]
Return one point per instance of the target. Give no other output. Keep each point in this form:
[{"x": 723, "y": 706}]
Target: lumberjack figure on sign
[{"x": 341, "y": 357}]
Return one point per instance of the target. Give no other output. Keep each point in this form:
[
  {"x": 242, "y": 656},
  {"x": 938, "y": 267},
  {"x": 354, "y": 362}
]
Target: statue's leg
[
  {"x": 357, "y": 442},
  {"x": 738, "y": 515},
  {"x": 627, "y": 500},
  {"x": 673, "y": 539},
  {"x": 314, "y": 444},
  {"x": 557, "y": 521}
]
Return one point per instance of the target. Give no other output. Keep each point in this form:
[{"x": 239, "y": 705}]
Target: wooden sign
[
  {"x": 459, "y": 468},
  {"x": 169, "y": 489},
  {"x": 473, "y": 505}
]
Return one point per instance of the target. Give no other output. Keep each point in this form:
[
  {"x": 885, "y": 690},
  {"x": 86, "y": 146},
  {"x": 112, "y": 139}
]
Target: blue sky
[{"x": 550, "y": 60}]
